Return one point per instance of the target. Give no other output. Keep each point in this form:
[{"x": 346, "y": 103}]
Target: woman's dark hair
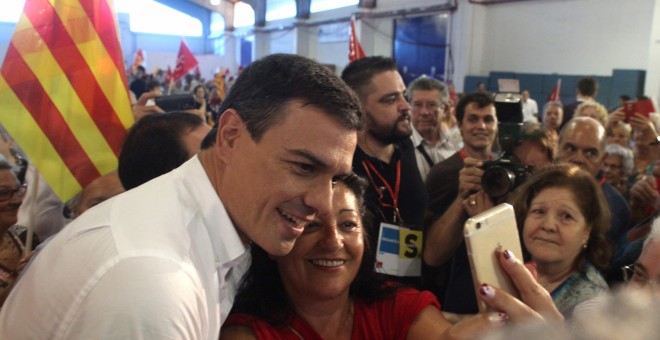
[
  {"x": 588, "y": 197},
  {"x": 262, "y": 294}
]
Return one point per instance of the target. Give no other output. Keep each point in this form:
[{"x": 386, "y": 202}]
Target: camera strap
[{"x": 394, "y": 194}]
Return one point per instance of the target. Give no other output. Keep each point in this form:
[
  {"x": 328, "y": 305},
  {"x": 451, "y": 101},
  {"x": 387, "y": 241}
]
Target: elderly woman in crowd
[
  {"x": 594, "y": 110},
  {"x": 327, "y": 288},
  {"x": 12, "y": 245},
  {"x": 618, "y": 166},
  {"x": 563, "y": 218}
]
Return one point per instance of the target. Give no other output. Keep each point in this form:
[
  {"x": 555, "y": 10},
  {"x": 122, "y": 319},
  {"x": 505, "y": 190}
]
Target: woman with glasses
[
  {"x": 563, "y": 219},
  {"x": 12, "y": 247}
]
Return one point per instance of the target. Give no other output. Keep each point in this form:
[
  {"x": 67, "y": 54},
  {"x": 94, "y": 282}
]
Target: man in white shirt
[
  {"x": 164, "y": 260},
  {"x": 529, "y": 107},
  {"x": 428, "y": 98}
]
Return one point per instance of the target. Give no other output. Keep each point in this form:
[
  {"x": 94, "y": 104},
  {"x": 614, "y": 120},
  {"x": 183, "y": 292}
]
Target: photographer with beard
[{"x": 385, "y": 155}]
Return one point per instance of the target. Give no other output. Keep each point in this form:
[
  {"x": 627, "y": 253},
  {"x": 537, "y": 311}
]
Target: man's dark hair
[
  {"x": 481, "y": 99},
  {"x": 270, "y": 302},
  {"x": 587, "y": 86},
  {"x": 264, "y": 88},
  {"x": 358, "y": 74},
  {"x": 155, "y": 146}
]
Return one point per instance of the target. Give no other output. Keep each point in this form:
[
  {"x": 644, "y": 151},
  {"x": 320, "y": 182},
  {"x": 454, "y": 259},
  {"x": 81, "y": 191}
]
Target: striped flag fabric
[
  {"x": 355, "y": 50},
  {"x": 63, "y": 93}
]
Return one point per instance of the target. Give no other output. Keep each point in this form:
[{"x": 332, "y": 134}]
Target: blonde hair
[{"x": 601, "y": 111}]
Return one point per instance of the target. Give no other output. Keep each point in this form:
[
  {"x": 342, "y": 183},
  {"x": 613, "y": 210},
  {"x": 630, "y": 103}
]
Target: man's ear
[{"x": 230, "y": 128}]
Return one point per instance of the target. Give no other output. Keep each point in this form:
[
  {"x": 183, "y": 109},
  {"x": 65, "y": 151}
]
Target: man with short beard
[{"x": 385, "y": 154}]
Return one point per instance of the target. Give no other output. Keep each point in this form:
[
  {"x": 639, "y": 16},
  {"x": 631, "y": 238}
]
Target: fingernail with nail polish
[
  {"x": 498, "y": 317},
  {"x": 508, "y": 255},
  {"x": 487, "y": 291}
]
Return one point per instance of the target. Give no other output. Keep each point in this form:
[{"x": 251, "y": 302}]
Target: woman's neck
[
  {"x": 552, "y": 275},
  {"x": 331, "y": 318}
]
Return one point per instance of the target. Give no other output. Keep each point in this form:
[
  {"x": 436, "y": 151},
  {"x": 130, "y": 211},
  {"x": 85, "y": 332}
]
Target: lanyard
[
  {"x": 602, "y": 181},
  {"x": 369, "y": 168}
]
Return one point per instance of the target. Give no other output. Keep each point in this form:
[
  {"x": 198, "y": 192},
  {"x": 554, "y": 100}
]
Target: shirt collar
[{"x": 227, "y": 245}]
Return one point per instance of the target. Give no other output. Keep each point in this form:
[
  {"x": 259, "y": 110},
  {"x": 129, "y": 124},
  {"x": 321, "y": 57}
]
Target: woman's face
[
  {"x": 200, "y": 92},
  {"x": 327, "y": 256},
  {"x": 555, "y": 230},
  {"x": 9, "y": 208},
  {"x": 619, "y": 136},
  {"x": 613, "y": 167}
]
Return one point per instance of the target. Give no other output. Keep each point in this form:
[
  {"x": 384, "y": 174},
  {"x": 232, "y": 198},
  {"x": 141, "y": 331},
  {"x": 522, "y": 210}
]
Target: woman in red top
[{"x": 326, "y": 288}]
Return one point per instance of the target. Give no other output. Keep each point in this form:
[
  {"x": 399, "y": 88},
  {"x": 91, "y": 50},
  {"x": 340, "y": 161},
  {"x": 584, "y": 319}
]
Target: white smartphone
[{"x": 485, "y": 234}]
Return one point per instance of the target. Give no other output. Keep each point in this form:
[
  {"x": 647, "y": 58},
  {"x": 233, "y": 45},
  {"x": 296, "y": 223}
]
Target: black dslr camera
[{"x": 503, "y": 175}]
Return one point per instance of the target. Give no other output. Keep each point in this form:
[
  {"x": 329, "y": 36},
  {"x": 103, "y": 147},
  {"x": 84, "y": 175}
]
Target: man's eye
[{"x": 304, "y": 167}]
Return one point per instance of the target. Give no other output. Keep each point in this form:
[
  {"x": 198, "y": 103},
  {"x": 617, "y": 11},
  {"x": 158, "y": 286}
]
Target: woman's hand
[{"x": 535, "y": 304}]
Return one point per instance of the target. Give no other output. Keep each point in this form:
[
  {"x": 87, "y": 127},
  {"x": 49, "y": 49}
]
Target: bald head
[{"x": 582, "y": 142}]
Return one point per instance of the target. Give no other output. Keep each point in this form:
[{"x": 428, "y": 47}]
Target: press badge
[{"x": 399, "y": 251}]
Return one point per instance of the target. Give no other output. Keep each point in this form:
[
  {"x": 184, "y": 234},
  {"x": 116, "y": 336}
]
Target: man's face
[
  {"x": 426, "y": 110},
  {"x": 525, "y": 96},
  {"x": 532, "y": 154},
  {"x": 274, "y": 187},
  {"x": 479, "y": 126},
  {"x": 553, "y": 117},
  {"x": 387, "y": 109},
  {"x": 99, "y": 190},
  {"x": 582, "y": 145}
]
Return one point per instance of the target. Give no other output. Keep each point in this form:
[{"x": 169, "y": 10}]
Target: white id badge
[{"x": 399, "y": 251}]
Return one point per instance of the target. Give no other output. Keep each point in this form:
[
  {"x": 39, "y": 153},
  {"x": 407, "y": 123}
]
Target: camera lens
[{"x": 498, "y": 181}]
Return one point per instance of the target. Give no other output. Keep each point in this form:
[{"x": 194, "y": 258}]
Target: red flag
[
  {"x": 168, "y": 75},
  {"x": 355, "y": 50},
  {"x": 63, "y": 93},
  {"x": 139, "y": 59},
  {"x": 185, "y": 61},
  {"x": 554, "y": 94}
]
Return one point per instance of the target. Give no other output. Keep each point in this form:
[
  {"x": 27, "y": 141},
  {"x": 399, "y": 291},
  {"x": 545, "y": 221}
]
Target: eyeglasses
[
  {"x": 20, "y": 191},
  {"x": 633, "y": 274},
  {"x": 431, "y": 105}
]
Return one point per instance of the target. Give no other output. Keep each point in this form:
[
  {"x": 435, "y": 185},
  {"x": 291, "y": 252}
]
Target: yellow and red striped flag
[{"x": 63, "y": 93}]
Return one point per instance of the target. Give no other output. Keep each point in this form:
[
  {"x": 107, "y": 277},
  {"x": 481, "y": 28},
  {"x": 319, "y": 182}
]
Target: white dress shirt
[
  {"x": 442, "y": 150},
  {"x": 161, "y": 261}
]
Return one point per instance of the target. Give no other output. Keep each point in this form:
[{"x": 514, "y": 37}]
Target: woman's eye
[
  {"x": 311, "y": 227},
  {"x": 349, "y": 225}
]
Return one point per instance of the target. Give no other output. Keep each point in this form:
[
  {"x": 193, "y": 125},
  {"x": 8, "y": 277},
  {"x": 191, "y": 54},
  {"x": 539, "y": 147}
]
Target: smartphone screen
[{"x": 486, "y": 235}]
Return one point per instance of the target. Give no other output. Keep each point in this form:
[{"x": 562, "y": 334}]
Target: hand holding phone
[
  {"x": 486, "y": 236},
  {"x": 642, "y": 106}
]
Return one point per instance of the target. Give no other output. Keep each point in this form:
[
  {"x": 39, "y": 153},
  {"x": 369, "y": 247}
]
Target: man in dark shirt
[
  {"x": 385, "y": 155},
  {"x": 454, "y": 187}
]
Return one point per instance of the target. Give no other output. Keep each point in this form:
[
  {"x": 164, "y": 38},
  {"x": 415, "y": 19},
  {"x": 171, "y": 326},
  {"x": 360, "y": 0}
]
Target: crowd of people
[{"x": 307, "y": 205}]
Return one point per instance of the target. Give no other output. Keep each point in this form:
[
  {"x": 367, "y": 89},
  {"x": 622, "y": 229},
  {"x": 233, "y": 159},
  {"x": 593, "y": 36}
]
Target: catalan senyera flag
[
  {"x": 355, "y": 50},
  {"x": 63, "y": 93},
  {"x": 554, "y": 94}
]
